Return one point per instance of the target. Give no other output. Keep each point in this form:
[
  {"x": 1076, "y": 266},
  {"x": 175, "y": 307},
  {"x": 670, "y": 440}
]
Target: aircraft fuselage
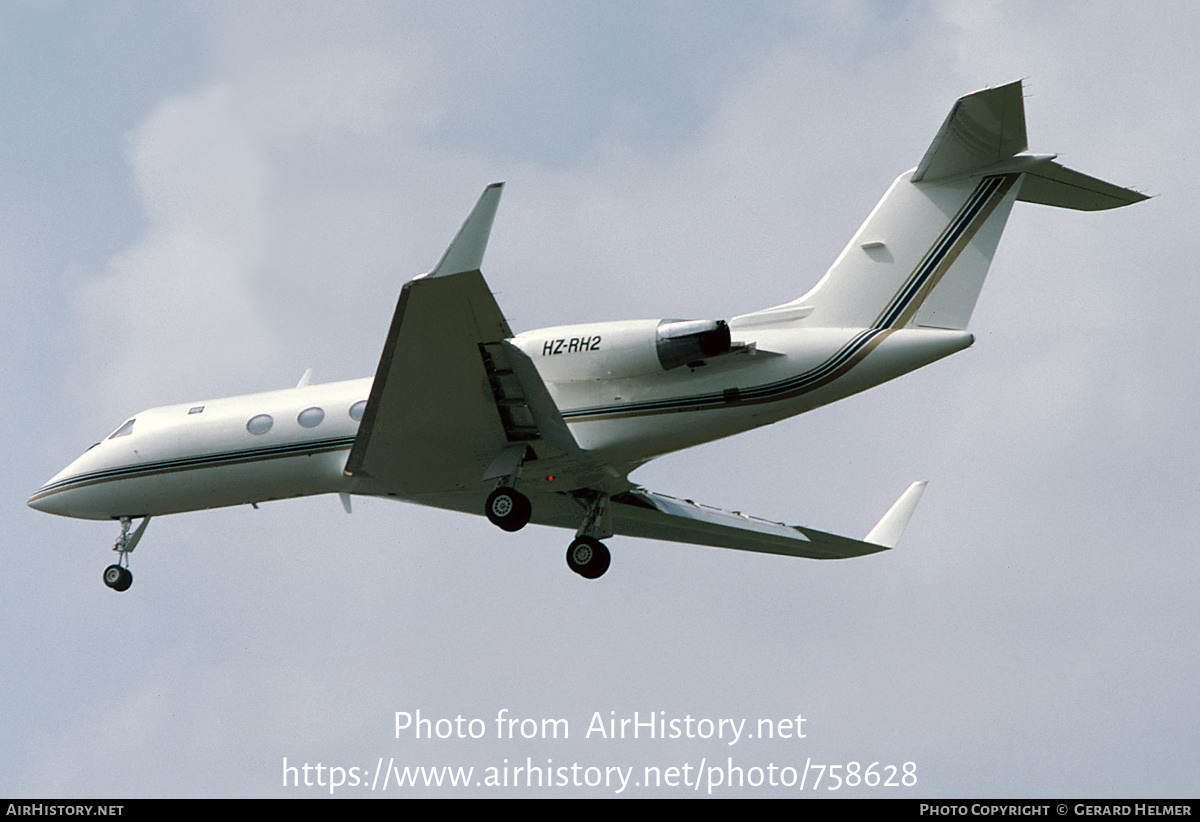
[{"x": 621, "y": 405}]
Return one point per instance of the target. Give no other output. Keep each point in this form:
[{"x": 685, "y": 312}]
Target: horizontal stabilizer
[
  {"x": 981, "y": 130},
  {"x": 1053, "y": 185}
]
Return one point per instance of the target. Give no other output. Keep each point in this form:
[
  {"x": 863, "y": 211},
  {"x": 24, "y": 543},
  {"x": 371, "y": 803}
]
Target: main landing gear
[
  {"x": 118, "y": 576},
  {"x": 509, "y": 509},
  {"x": 587, "y": 555},
  {"x": 506, "y": 507}
]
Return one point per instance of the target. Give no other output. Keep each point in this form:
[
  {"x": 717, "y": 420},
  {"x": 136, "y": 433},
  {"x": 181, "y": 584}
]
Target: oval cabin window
[{"x": 310, "y": 417}]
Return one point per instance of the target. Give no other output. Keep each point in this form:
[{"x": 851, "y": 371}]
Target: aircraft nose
[
  {"x": 85, "y": 489},
  {"x": 60, "y": 495},
  {"x": 47, "y": 500}
]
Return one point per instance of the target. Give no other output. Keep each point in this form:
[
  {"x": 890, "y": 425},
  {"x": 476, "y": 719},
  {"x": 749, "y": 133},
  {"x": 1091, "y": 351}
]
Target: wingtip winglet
[
  {"x": 465, "y": 252},
  {"x": 888, "y": 530}
]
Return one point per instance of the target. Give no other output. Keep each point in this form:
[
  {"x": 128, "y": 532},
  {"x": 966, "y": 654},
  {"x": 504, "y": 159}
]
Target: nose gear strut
[{"x": 118, "y": 576}]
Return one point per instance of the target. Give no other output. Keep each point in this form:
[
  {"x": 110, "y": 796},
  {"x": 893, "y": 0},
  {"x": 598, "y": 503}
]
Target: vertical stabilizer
[
  {"x": 921, "y": 240},
  {"x": 921, "y": 257}
]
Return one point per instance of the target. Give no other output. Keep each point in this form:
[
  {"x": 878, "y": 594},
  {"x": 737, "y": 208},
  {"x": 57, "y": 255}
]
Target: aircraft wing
[
  {"x": 642, "y": 513},
  {"x": 432, "y": 420}
]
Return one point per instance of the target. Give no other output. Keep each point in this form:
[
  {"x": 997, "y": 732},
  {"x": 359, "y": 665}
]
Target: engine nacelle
[
  {"x": 680, "y": 342},
  {"x": 622, "y": 349}
]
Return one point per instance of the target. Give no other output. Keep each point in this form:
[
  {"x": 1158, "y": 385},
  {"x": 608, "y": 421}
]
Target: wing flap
[{"x": 551, "y": 427}]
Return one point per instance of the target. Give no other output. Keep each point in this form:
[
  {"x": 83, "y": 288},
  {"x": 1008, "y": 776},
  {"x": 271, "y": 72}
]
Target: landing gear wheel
[
  {"x": 508, "y": 508},
  {"x": 588, "y": 557},
  {"x": 117, "y": 578}
]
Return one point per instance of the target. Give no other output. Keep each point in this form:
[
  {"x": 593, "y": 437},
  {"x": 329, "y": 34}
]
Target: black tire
[
  {"x": 588, "y": 557},
  {"x": 118, "y": 578},
  {"x": 508, "y": 509}
]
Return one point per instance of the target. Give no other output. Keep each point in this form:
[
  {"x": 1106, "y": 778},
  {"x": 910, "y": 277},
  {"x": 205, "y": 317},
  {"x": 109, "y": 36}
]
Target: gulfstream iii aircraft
[{"x": 462, "y": 412}]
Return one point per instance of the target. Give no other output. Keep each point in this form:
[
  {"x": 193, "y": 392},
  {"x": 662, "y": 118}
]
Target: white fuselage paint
[{"x": 620, "y": 405}]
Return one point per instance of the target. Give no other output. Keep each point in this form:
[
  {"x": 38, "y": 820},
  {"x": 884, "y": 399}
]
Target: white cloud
[{"x": 179, "y": 308}]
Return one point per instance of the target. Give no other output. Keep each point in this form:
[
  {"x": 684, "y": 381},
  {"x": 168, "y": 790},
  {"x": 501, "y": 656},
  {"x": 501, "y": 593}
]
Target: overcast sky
[{"x": 204, "y": 199}]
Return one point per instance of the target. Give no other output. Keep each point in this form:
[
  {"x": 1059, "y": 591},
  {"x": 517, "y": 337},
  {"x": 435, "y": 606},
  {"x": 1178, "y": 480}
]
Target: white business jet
[{"x": 462, "y": 413}]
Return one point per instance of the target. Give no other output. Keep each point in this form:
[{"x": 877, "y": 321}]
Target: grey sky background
[{"x": 204, "y": 199}]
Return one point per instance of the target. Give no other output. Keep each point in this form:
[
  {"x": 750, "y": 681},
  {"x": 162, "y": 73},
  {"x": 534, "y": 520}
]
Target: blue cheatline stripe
[
  {"x": 194, "y": 462},
  {"x": 847, "y": 355},
  {"x": 801, "y": 382},
  {"x": 937, "y": 253}
]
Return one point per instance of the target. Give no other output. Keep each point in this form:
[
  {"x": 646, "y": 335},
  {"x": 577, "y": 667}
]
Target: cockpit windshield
[{"x": 125, "y": 430}]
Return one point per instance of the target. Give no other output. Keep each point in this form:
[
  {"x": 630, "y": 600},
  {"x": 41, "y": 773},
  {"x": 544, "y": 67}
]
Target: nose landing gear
[{"x": 118, "y": 576}]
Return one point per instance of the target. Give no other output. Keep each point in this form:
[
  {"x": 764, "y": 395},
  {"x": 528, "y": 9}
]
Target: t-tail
[{"x": 920, "y": 258}]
